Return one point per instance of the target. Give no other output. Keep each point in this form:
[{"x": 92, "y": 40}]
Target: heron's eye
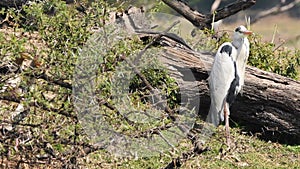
[{"x": 238, "y": 29}]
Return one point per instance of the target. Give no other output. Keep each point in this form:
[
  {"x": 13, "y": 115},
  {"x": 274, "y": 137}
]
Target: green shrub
[
  {"x": 263, "y": 55},
  {"x": 280, "y": 60},
  {"x": 49, "y": 121}
]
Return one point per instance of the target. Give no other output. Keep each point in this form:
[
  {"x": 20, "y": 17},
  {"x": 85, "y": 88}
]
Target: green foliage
[
  {"x": 12, "y": 47},
  {"x": 61, "y": 31},
  {"x": 248, "y": 152},
  {"x": 209, "y": 40},
  {"x": 280, "y": 60},
  {"x": 44, "y": 45},
  {"x": 263, "y": 55},
  {"x": 160, "y": 79},
  {"x": 64, "y": 29},
  {"x": 41, "y": 50}
]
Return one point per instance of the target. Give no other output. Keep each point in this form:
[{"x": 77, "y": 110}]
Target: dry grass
[{"x": 246, "y": 151}]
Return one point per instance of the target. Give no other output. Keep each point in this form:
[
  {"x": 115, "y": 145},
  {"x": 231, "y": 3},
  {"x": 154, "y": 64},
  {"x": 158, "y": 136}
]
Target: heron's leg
[{"x": 227, "y": 132}]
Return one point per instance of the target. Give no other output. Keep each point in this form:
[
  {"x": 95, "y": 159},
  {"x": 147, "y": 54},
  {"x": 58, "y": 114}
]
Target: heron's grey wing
[{"x": 221, "y": 76}]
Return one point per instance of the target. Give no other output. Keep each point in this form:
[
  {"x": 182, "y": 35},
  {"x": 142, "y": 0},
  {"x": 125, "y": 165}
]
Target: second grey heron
[
  {"x": 227, "y": 76},
  {"x": 241, "y": 43}
]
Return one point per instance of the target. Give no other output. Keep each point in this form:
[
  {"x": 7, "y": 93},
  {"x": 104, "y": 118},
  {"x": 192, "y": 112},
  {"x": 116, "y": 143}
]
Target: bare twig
[
  {"x": 177, "y": 162},
  {"x": 149, "y": 87},
  {"x": 39, "y": 105},
  {"x": 11, "y": 98},
  {"x": 44, "y": 76},
  {"x": 56, "y": 81},
  {"x": 156, "y": 38},
  {"x": 275, "y": 10},
  {"x": 143, "y": 78},
  {"x": 111, "y": 107},
  {"x": 196, "y": 18},
  {"x": 10, "y": 3},
  {"x": 155, "y": 130},
  {"x": 230, "y": 9},
  {"x": 204, "y": 20}
]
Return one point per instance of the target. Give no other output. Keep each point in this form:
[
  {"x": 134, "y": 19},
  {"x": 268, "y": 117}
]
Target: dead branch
[
  {"x": 111, "y": 107},
  {"x": 59, "y": 82},
  {"x": 190, "y": 14},
  {"x": 204, "y": 20},
  {"x": 274, "y": 11}
]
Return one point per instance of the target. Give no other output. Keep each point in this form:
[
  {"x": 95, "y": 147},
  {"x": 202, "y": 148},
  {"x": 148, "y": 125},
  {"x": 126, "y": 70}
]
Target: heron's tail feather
[{"x": 213, "y": 115}]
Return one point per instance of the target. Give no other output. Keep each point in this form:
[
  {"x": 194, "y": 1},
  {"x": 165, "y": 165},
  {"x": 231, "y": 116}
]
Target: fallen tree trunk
[{"x": 269, "y": 104}]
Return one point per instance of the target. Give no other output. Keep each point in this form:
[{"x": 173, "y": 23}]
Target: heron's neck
[{"x": 238, "y": 42}]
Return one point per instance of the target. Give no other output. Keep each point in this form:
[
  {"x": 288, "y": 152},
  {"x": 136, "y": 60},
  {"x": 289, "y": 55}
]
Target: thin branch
[
  {"x": 11, "y": 98},
  {"x": 111, "y": 107},
  {"x": 230, "y": 9},
  {"x": 196, "y": 136},
  {"x": 204, "y": 20},
  {"x": 12, "y": 3},
  {"x": 275, "y": 10},
  {"x": 40, "y": 105},
  {"x": 59, "y": 82},
  {"x": 20, "y": 124},
  {"x": 149, "y": 87},
  {"x": 196, "y": 18},
  {"x": 152, "y": 131},
  {"x": 177, "y": 162},
  {"x": 143, "y": 78},
  {"x": 156, "y": 38}
]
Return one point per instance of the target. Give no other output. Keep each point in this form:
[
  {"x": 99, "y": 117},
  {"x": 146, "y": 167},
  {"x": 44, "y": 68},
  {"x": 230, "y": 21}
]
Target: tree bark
[
  {"x": 204, "y": 20},
  {"x": 268, "y": 105}
]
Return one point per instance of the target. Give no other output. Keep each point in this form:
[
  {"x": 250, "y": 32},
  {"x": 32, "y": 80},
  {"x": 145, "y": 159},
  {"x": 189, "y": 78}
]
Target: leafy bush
[
  {"x": 40, "y": 126},
  {"x": 39, "y": 54},
  {"x": 44, "y": 45},
  {"x": 280, "y": 60},
  {"x": 263, "y": 55}
]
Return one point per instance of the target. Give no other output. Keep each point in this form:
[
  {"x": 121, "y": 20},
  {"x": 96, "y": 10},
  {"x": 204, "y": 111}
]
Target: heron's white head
[
  {"x": 239, "y": 34},
  {"x": 241, "y": 31}
]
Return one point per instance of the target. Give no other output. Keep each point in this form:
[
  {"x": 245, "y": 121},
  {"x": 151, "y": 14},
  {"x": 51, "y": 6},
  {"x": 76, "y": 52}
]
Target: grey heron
[
  {"x": 241, "y": 43},
  {"x": 227, "y": 76}
]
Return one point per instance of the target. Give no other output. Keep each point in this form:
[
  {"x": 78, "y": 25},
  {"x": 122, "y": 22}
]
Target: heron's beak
[{"x": 247, "y": 32}]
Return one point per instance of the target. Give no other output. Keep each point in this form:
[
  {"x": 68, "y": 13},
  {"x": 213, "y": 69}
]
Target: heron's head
[{"x": 241, "y": 31}]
